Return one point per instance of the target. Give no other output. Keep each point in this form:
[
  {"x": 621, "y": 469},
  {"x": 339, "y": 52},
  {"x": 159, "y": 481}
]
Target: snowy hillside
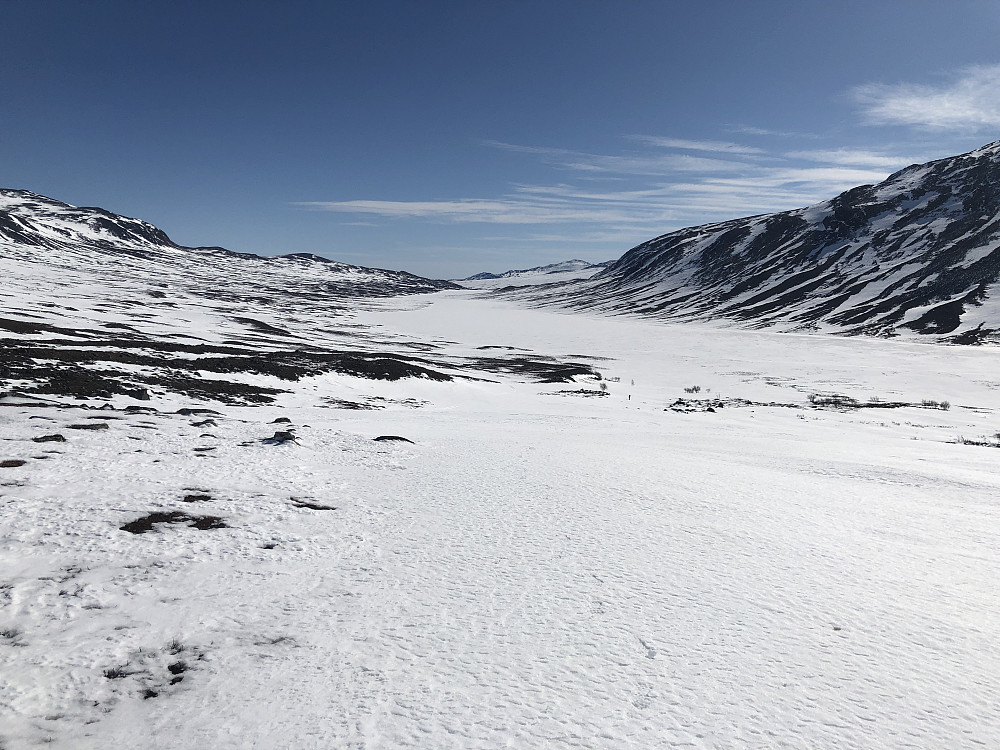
[
  {"x": 260, "y": 503},
  {"x": 917, "y": 253},
  {"x": 553, "y": 273},
  {"x": 40, "y": 230},
  {"x": 113, "y": 306}
]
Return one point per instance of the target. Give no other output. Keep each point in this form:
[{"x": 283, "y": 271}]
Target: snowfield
[{"x": 538, "y": 564}]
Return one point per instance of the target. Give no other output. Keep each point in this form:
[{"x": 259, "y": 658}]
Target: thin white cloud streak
[
  {"x": 650, "y": 166},
  {"x": 603, "y": 237},
  {"x": 752, "y": 130},
  {"x": 643, "y": 195},
  {"x": 680, "y": 203},
  {"x": 688, "y": 145},
  {"x": 637, "y": 165},
  {"x": 969, "y": 103},
  {"x": 847, "y": 157},
  {"x": 508, "y": 210}
]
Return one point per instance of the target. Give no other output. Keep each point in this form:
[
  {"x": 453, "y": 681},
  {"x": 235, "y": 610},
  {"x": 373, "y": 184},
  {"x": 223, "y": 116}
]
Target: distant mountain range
[
  {"x": 36, "y": 229},
  {"x": 919, "y": 252},
  {"x": 579, "y": 268}
]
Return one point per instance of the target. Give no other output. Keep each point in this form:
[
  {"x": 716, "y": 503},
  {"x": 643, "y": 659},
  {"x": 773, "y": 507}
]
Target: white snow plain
[{"x": 542, "y": 567}]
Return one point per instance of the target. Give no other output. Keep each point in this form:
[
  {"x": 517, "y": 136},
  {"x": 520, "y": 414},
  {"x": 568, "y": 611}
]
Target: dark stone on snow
[
  {"x": 542, "y": 369},
  {"x": 150, "y": 521},
  {"x": 280, "y": 438},
  {"x": 299, "y": 503},
  {"x": 49, "y": 439}
]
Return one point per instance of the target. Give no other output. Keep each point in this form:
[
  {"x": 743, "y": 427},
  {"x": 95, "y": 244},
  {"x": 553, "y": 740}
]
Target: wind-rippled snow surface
[{"x": 540, "y": 566}]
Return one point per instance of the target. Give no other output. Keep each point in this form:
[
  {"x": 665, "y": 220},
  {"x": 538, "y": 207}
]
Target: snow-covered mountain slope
[
  {"x": 567, "y": 270},
  {"x": 36, "y": 229},
  {"x": 919, "y": 252},
  {"x": 93, "y": 304}
]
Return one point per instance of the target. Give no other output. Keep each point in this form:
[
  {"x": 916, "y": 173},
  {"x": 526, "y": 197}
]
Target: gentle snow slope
[{"x": 540, "y": 567}]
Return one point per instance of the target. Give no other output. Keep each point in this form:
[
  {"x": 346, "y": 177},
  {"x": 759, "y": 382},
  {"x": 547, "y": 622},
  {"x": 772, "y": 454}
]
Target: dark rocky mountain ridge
[{"x": 917, "y": 253}]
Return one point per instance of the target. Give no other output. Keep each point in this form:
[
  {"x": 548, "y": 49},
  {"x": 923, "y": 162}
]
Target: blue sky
[{"x": 447, "y": 138}]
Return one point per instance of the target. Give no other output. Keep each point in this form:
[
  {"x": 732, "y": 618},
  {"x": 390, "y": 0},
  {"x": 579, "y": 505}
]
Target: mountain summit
[{"x": 919, "y": 252}]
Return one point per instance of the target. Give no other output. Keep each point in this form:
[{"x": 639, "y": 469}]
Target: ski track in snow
[{"x": 534, "y": 570}]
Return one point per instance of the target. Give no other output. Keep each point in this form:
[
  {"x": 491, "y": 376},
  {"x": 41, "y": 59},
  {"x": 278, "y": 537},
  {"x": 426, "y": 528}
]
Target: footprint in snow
[{"x": 650, "y": 651}]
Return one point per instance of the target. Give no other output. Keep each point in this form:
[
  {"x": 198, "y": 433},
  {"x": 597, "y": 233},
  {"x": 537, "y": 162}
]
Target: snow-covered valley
[{"x": 624, "y": 562}]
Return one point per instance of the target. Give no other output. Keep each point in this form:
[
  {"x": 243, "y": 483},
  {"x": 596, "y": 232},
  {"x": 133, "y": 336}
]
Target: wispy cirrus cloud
[
  {"x": 650, "y": 207},
  {"x": 970, "y": 102},
  {"x": 654, "y": 184},
  {"x": 635, "y": 164},
  {"x": 756, "y": 131},
  {"x": 849, "y": 157},
  {"x": 717, "y": 147},
  {"x": 506, "y": 210}
]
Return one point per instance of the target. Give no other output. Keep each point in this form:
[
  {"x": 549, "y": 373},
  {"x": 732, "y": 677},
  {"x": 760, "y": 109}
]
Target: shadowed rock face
[{"x": 918, "y": 252}]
